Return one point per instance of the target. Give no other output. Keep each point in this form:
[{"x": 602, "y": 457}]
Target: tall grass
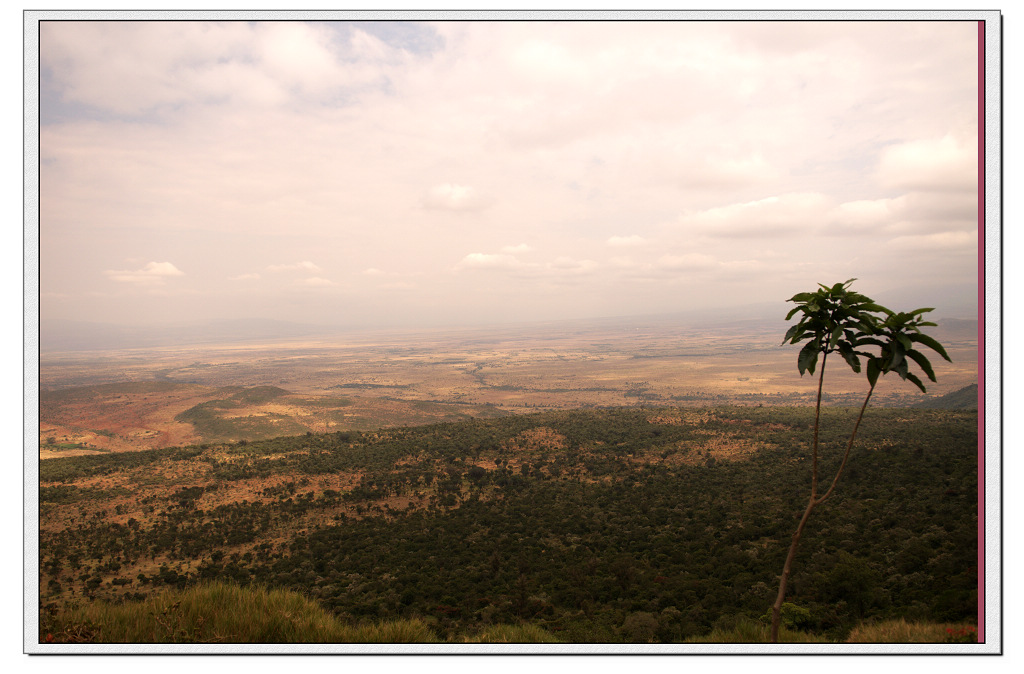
[
  {"x": 902, "y": 632},
  {"x": 224, "y": 613},
  {"x": 750, "y": 632},
  {"x": 513, "y": 634},
  {"x": 220, "y": 613}
]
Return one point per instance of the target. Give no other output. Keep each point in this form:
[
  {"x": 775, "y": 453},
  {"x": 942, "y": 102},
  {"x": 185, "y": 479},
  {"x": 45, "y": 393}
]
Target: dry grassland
[{"x": 394, "y": 379}]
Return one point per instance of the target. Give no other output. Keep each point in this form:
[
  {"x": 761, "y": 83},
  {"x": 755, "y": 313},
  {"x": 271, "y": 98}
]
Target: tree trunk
[{"x": 787, "y": 568}]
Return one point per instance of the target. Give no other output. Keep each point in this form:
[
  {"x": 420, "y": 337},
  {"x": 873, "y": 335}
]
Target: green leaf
[
  {"x": 904, "y": 342},
  {"x": 873, "y": 371},
  {"x": 897, "y": 354},
  {"x": 791, "y": 332},
  {"x": 921, "y": 311},
  {"x": 930, "y": 343},
  {"x": 870, "y": 341},
  {"x": 793, "y": 311},
  {"x": 926, "y": 367},
  {"x": 850, "y": 357},
  {"x": 877, "y": 308},
  {"x": 808, "y": 357},
  {"x": 836, "y": 334},
  {"x": 917, "y": 381}
]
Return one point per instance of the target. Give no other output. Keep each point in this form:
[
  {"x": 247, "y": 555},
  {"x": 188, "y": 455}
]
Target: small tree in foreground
[{"x": 836, "y": 319}]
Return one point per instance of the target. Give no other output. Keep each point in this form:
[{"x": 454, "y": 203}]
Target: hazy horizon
[{"x": 402, "y": 174}]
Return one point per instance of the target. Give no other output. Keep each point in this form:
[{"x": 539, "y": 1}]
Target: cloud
[
  {"x": 914, "y": 212},
  {"x": 625, "y": 147},
  {"x": 943, "y": 241},
  {"x": 934, "y": 164},
  {"x": 490, "y": 261},
  {"x": 399, "y": 286},
  {"x": 769, "y": 217},
  {"x": 634, "y": 240},
  {"x": 452, "y": 197},
  {"x": 153, "y": 274},
  {"x": 572, "y": 265},
  {"x": 560, "y": 266},
  {"x": 306, "y": 265},
  {"x": 315, "y": 282},
  {"x": 666, "y": 267},
  {"x": 244, "y": 277},
  {"x": 131, "y": 68},
  {"x": 686, "y": 263}
]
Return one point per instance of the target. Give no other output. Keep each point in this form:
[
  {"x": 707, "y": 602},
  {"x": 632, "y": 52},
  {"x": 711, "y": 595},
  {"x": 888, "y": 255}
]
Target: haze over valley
[{"x": 124, "y": 399}]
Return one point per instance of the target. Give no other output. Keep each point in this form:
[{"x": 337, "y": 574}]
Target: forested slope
[{"x": 599, "y": 526}]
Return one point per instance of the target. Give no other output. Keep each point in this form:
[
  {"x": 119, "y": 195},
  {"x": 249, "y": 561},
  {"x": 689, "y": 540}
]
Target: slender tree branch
[
  {"x": 817, "y": 417},
  {"x": 786, "y": 569},
  {"x": 849, "y": 446}
]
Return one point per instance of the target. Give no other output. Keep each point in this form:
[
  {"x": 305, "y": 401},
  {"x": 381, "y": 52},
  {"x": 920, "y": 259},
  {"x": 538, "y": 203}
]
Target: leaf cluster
[
  {"x": 897, "y": 338},
  {"x": 835, "y": 318}
]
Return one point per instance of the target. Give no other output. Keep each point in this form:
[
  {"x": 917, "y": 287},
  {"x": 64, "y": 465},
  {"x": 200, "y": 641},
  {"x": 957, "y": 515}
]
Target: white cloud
[
  {"x": 911, "y": 213},
  {"x": 686, "y": 263},
  {"x": 305, "y": 265},
  {"x": 490, "y": 261},
  {"x": 585, "y": 139},
  {"x": 452, "y": 197},
  {"x": 633, "y": 240},
  {"x": 864, "y": 213},
  {"x": 769, "y": 217},
  {"x": 153, "y": 274},
  {"x": 133, "y": 67},
  {"x": 315, "y": 282},
  {"x": 399, "y": 286},
  {"x": 572, "y": 265},
  {"x": 934, "y": 164},
  {"x": 965, "y": 242}
]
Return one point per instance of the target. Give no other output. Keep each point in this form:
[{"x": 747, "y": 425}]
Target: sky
[{"x": 459, "y": 173}]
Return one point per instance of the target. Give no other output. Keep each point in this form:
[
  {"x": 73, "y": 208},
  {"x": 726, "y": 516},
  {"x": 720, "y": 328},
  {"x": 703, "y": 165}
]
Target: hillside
[
  {"x": 596, "y": 526},
  {"x": 961, "y": 399}
]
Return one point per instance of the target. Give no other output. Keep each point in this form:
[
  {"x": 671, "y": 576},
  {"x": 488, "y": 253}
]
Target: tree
[{"x": 838, "y": 319}]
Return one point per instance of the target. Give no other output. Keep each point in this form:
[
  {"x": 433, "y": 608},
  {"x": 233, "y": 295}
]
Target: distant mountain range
[{"x": 962, "y": 399}]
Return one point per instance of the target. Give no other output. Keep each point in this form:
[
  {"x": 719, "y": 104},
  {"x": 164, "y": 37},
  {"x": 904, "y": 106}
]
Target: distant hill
[{"x": 962, "y": 399}]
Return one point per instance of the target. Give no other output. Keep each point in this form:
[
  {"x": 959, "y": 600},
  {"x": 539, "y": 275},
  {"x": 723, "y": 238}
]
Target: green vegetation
[
  {"x": 66, "y": 469},
  {"x": 215, "y": 612},
  {"x": 902, "y": 632},
  {"x": 211, "y": 425},
  {"x": 619, "y": 525},
  {"x": 220, "y": 613}
]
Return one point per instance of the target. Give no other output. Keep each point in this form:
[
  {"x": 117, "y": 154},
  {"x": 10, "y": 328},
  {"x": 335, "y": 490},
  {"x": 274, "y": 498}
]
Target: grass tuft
[
  {"x": 750, "y": 632},
  {"x": 902, "y": 632},
  {"x": 513, "y": 634},
  {"x": 219, "y": 613}
]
